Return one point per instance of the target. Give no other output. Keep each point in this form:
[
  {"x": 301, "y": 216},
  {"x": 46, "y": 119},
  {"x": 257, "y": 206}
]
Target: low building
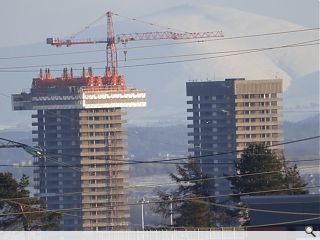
[{"x": 283, "y": 212}]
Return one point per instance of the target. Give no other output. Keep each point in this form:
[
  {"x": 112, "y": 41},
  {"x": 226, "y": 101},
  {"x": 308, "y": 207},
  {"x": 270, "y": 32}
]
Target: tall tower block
[
  {"x": 226, "y": 117},
  {"x": 79, "y": 125}
]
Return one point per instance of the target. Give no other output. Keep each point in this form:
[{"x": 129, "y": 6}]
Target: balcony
[
  {"x": 93, "y": 130},
  {"x": 104, "y": 224},
  {"x": 86, "y": 200},
  {"x": 257, "y": 108},
  {"x": 265, "y": 115},
  {"x": 109, "y": 192},
  {"x": 84, "y": 122},
  {"x": 254, "y": 140},
  {"x": 259, "y": 131},
  {"x": 97, "y": 154},
  {"x": 240, "y": 100},
  {"x": 105, "y": 216},
  {"x": 122, "y": 144},
  {"x": 247, "y": 124},
  {"x": 113, "y": 137},
  {"x": 101, "y": 114}
]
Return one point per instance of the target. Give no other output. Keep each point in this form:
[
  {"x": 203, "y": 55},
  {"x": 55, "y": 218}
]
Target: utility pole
[
  {"x": 171, "y": 211},
  {"x": 143, "y": 201}
]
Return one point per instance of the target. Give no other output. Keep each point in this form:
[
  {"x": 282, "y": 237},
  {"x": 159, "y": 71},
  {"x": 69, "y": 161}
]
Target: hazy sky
[
  {"x": 23, "y": 22},
  {"x": 28, "y": 21}
]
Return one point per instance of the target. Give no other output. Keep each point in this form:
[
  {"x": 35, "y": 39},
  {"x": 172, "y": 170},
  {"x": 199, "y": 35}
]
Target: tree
[
  {"x": 188, "y": 213},
  {"x": 20, "y": 211},
  {"x": 258, "y": 158},
  {"x": 294, "y": 180}
]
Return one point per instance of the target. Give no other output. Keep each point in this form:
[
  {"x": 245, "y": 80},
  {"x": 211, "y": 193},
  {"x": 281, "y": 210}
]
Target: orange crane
[{"x": 113, "y": 79}]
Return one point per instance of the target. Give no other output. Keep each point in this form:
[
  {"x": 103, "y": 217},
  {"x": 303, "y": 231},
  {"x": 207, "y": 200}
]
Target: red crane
[{"x": 114, "y": 80}]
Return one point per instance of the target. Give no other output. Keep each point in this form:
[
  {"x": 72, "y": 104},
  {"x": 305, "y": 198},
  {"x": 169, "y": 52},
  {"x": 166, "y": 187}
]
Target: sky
[
  {"x": 26, "y": 25},
  {"x": 29, "y": 21}
]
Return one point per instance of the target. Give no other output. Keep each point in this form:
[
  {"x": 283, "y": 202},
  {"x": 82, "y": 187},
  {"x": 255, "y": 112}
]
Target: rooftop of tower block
[{"x": 77, "y": 92}]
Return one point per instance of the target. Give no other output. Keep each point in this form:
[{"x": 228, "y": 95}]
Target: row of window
[
  {"x": 92, "y": 126},
  {"x": 269, "y": 111},
  {"x": 246, "y": 144},
  {"x": 252, "y": 128},
  {"x": 257, "y": 104},
  {"x": 101, "y": 118},
  {"x": 263, "y": 135},
  {"x": 251, "y": 120},
  {"x": 102, "y": 110},
  {"x": 254, "y": 96},
  {"x": 105, "y": 134}
]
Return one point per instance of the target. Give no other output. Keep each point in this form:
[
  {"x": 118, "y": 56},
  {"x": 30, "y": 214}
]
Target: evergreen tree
[
  {"x": 259, "y": 158},
  {"x": 188, "y": 213},
  {"x": 22, "y": 204}
]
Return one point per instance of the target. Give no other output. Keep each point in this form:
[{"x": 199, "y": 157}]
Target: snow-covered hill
[{"x": 165, "y": 83}]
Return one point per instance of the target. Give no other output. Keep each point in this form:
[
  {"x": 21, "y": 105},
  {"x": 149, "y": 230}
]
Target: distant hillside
[
  {"x": 150, "y": 142},
  {"x": 302, "y": 129},
  {"x": 147, "y": 143}
]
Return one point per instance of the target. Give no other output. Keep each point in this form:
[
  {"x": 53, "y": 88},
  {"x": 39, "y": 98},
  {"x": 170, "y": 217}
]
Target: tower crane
[{"x": 113, "y": 79}]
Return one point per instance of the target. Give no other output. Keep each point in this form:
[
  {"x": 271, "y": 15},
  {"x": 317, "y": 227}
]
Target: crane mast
[
  {"x": 114, "y": 81},
  {"x": 112, "y": 61}
]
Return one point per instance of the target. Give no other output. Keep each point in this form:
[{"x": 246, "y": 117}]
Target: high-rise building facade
[
  {"x": 226, "y": 116},
  {"x": 79, "y": 125}
]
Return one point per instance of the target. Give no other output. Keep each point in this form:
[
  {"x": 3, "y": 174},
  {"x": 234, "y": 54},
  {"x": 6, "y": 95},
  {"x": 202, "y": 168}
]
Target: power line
[
  {"x": 165, "y": 44},
  {"x": 174, "y": 200},
  {"x": 157, "y": 63},
  {"x": 240, "y": 228},
  {"x": 39, "y": 208},
  {"x": 234, "y": 52},
  {"x": 235, "y": 151},
  {"x": 15, "y": 165},
  {"x": 208, "y": 58},
  {"x": 282, "y": 223},
  {"x": 165, "y": 160},
  {"x": 172, "y": 183},
  {"x": 257, "y": 209},
  {"x": 3, "y": 70}
]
